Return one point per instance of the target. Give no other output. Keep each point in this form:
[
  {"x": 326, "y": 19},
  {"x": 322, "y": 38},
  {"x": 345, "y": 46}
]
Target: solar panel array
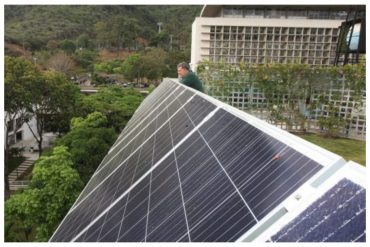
[
  {"x": 338, "y": 216},
  {"x": 187, "y": 168},
  {"x": 333, "y": 209}
]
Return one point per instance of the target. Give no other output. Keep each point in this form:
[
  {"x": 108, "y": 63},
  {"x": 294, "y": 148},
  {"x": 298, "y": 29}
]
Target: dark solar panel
[
  {"x": 264, "y": 169},
  {"x": 187, "y": 171},
  {"x": 338, "y": 216}
]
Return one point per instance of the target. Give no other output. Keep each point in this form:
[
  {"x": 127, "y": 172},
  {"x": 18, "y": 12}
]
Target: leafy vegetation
[
  {"x": 30, "y": 93},
  {"x": 148, "y": 41},
  {"x": 54, "y": 187},
  {"x": 88, "y": 142},
  {"x": 33, "y": 26},
  {"x": 14, "y": 162},
  {"x": 20, "y": 74},
  {"x": 287, "y": 88},
  {"x": 117, "y": 104}
]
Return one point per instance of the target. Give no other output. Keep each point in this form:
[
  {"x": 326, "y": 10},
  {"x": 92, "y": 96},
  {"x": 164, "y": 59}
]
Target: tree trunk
[
  {"x": 6, "y": 177},
  {"x": 40, "y": 145},
  {"x": 6, "y": 168}
]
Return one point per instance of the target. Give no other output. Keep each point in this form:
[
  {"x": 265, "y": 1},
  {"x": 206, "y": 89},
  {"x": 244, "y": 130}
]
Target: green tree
[
  {"x": 102, "y": 34},
  {"x": 68, "y": 46},
  {"x": 108, "y": 66},
  {"x": 153, "y": 64},
  {"x": 54, "y": 187},
  {"x": 85, "y": 59},
  {"x": 161, "y": 40},
  {"x": 88, "y": 142},
  {"x": 19, "y": 77},
  {"x": 83, "y": 41},
  {"x": 53, "y": 104},
  {"x": 131, "y": 28},
  {"x": 117, "y": 31},
  {"x": 116, "y": 103},
  {"x": 132, "y": 67}
]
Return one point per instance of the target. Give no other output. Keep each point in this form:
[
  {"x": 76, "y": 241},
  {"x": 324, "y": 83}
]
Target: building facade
[
  {"x": 20, "y": 134},
  {"x": 281, "y": 34},
  {"x": 267, "y": 34}
]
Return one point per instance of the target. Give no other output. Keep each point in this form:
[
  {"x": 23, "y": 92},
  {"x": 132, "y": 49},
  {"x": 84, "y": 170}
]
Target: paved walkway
[{"x": 15, "y": 184}]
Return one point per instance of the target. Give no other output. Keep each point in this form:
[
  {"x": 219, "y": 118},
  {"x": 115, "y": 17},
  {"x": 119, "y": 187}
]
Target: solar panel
[
  {"x": 338, "y": 216},
  {"x": 190, "y": 168},
  {"x": 333, "y": 212}
]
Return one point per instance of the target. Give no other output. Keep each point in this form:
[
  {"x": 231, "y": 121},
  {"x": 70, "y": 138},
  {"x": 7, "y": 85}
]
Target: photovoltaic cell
[
  {"x": 124, "y": 149},
  {"x": 265, "y": 170},
  {"x": 207, "y": 191},
  {"x": 185, "y": 169},
  {"x": 338, "y": 216},
  {"x": 139, "y": 127}
]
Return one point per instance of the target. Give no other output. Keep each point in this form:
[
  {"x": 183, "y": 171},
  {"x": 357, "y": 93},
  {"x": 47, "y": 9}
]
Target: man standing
[{"x": 189, "y": 78}]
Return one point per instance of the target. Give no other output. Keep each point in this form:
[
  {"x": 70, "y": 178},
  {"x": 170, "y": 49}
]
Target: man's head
[{"x": 183, "y": 69}]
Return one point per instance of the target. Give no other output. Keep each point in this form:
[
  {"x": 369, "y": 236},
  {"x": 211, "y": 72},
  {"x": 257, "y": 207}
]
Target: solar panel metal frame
[{"x": 328, "y": 160}]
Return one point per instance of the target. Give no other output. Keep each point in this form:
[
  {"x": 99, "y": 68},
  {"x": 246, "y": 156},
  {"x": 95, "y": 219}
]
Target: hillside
[{"x": 33, "y": 26}]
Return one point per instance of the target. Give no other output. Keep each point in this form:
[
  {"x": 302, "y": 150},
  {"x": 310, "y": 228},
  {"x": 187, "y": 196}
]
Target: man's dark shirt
[{"x": 192, "y": 81}]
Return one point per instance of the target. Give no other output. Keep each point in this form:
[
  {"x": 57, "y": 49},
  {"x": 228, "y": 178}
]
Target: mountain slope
[{"x": 32, "y": 26}]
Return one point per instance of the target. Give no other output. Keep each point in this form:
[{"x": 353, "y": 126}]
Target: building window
[
  {"x": 10, "y": 126},
  {"x": 19, "y": 136},
  {"x": 296, "y": 13},
  {"x": 232, "y": 12},
  {"x": 353, "y": 41},
  {"x": 274, "y": 13}
]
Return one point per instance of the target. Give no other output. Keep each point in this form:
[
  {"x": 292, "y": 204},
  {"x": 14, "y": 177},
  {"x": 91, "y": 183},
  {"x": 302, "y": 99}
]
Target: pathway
[{"x": 15, "y": 184}]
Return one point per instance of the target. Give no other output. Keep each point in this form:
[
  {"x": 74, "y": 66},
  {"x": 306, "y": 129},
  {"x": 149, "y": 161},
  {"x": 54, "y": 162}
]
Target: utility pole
[
  {"x": 171, "y": 42},
  {"x": 159, "y": 26}
]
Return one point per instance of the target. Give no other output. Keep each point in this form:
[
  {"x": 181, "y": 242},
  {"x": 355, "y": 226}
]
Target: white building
[
  {"x": 20, "y": 135},
  {"x": 267, "y": 34}
]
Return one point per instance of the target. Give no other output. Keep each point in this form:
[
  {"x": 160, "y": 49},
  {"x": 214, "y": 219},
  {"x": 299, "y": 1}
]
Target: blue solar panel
[
  {"x": 186, "y": 169},
  {"x": 338, "y": 216}
]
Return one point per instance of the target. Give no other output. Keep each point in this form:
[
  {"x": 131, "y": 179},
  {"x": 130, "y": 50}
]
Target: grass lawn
[{"x": 349, "y": 149}]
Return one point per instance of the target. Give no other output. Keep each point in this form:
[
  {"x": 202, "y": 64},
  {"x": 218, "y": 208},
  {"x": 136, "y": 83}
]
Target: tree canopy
[
  {"x": 53, "y": 104},
  {"x": 116, "y": 103},
  {"x": 104, "y": 25},
  {"x": 88, "y": 142},
  {"x": 54, "y": 187}
]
